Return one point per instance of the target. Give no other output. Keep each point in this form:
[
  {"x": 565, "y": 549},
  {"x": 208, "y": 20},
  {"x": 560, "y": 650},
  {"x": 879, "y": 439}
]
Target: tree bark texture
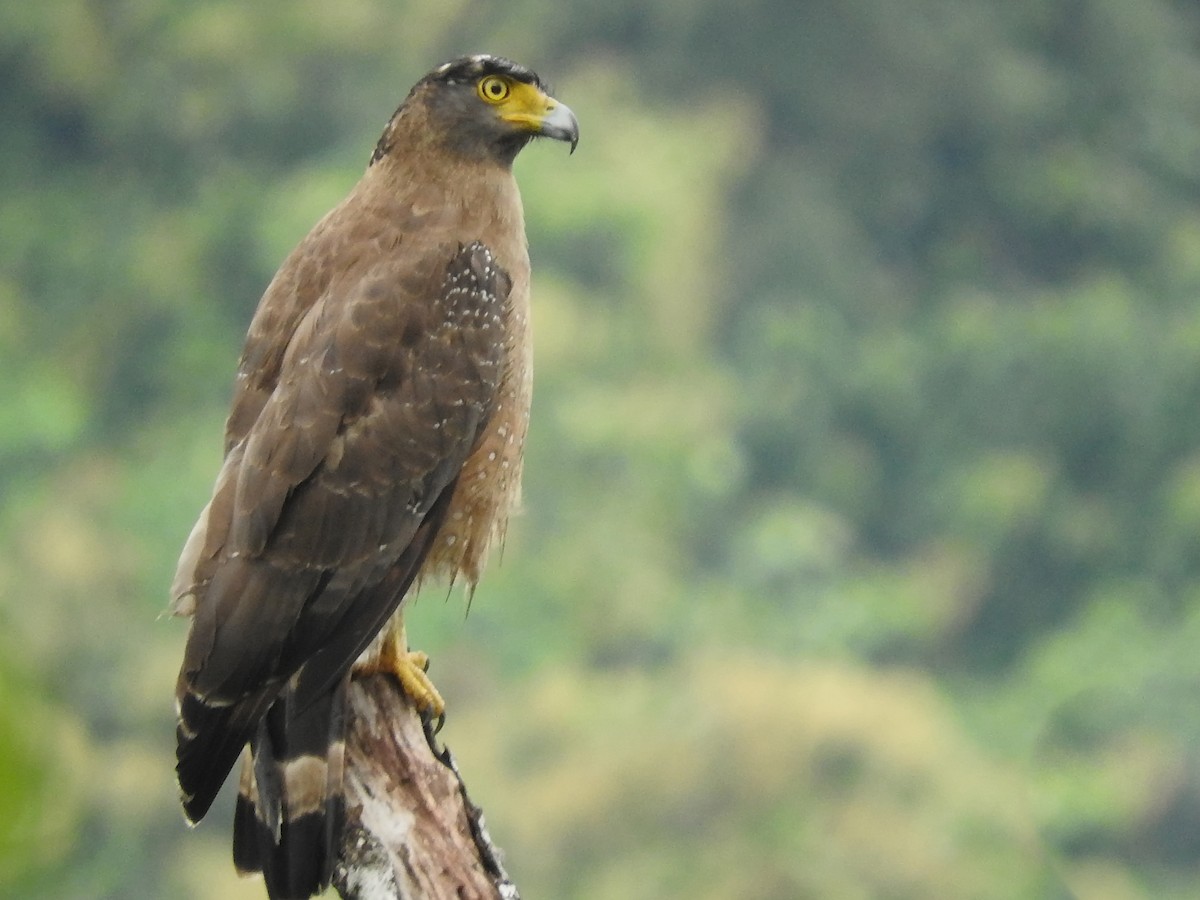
[{"x": 411, "y": 832}]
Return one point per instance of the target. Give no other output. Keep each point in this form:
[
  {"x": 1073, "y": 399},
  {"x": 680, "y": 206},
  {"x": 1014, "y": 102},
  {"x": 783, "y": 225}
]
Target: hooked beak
[
  {"x": 560, "y": 124},
  {"x": 529, "y": 109}
]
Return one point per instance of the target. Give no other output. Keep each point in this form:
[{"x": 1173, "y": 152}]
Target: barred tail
[{"x": 290, "y": 804}]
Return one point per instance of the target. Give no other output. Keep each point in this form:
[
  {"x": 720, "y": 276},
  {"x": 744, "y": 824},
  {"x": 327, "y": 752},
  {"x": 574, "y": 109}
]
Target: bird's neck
[{"x": 446, "y": 192}]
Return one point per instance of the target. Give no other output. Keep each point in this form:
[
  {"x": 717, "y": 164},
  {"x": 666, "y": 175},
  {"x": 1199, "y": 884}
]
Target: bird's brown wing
[{"x": 323, "y": 514}]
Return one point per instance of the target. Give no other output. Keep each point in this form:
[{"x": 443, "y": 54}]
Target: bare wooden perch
[{"x": 411, "y": 831}]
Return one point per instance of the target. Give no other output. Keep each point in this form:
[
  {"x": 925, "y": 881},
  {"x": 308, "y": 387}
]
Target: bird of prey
[{"x": 375, "y": 440}]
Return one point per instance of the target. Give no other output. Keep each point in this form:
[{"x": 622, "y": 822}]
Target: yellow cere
[{"x": 518, "y": 102}]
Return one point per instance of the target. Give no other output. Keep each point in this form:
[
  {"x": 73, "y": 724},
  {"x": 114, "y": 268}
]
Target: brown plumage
[{"x": 375, "y": 439}]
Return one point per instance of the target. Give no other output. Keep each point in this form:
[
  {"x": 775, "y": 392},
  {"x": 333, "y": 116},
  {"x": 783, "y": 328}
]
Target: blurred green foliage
[{"x": 861, "y": 556}]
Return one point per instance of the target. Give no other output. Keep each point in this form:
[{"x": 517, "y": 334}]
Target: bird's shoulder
[
  {"x": 383, "y": 394},
  {"x": 373, "y": 267}
]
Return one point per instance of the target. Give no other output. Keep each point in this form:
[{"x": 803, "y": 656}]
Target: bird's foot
[{"x": 411, "y": 668}]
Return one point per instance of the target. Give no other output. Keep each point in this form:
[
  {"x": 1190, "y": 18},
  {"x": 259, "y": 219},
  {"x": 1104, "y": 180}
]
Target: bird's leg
[{"x": 411, "y": 669}]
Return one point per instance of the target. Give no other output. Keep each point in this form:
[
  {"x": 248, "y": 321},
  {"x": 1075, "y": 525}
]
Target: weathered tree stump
[{"x": 411, "y": 831}]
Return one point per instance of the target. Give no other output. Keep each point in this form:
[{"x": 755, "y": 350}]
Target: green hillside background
[{"x": 861, "y": 551}]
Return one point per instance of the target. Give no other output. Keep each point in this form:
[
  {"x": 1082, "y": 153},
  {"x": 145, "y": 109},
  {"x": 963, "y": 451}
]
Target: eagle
[{"x": 375, "y": 441}]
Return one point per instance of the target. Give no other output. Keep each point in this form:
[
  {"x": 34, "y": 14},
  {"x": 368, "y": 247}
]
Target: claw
[{"x": 410, "y": 667}]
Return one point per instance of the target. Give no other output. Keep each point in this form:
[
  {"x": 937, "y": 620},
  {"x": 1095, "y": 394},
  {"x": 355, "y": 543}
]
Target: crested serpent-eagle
[{"x": 375, "y": 440}]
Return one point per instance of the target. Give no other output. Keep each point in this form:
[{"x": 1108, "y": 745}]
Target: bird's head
[{"x": 480, "y": 107}]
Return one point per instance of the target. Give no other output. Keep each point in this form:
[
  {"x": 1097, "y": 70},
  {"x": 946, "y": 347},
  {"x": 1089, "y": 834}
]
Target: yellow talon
[{"x": 410, "y": 668}]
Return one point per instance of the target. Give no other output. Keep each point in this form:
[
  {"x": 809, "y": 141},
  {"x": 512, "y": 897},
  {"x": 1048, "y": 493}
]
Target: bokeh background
[{"x": 861, "y": 556}]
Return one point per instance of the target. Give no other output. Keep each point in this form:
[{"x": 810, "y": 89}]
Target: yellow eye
[{"x": 493, "y": 88}]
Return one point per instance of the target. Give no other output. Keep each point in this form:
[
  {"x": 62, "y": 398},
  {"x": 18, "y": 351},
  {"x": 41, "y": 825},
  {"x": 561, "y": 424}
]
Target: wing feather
[{"x": 325, "y": 510}]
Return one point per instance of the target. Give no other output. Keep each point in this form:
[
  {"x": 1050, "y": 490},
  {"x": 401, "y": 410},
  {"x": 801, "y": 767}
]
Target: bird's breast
[{"x": 488, "y": 489}]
